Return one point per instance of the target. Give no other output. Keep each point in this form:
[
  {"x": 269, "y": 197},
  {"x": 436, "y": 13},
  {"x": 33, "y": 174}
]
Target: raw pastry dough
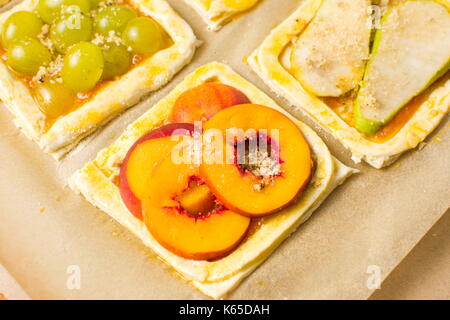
[
  {"x": 216, "y": 13},
  {"x": 150, "y": 75},
  {"x": 95, "y": 181},
  {"x": 269, "y": 63}
]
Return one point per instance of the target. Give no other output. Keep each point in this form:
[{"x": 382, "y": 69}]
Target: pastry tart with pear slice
[{"x": 398, "y": 90}]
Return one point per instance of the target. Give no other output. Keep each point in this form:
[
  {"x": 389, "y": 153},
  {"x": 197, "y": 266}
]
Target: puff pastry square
[
  {"x": 96, "y": 182},
  {"x": 150, "y": 75},
  {"x": 270, "y": 62},
  {"x": 216, "y": 13}
]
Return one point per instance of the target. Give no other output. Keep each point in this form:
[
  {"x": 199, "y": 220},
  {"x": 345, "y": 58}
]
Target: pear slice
[
  {"x": 410, "y": 52},
  {"x": 330, "y": 55}
]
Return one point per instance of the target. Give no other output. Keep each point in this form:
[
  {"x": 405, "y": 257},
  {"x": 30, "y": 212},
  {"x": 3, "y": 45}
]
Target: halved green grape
[
  {"x": 54, "y": 99},
  {"x": 70, "y": 29},
  {"x": 117, "y": 61},
  {"x": 21, "y": 25},
  {"x": 113, "y": 18},
  {"x": 27, "y": 56},
  {"x": 143, "y": 35},
  {"x": 48, "y": 9},
  {"x": 83, "y": 67}
]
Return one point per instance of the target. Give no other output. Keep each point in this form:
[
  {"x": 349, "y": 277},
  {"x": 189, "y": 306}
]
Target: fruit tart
[
  {"x": 69, "y": 66},
  {"x": 374, "y": 74},
  {"x": 212, "y": 178},
  {"x": 216, "y": 13}
]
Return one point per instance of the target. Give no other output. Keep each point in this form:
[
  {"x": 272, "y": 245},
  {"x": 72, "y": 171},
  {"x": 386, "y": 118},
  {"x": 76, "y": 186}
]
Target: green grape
[
  {"x": 27, "y": 56},
  {"x": 113, "y": 18},
  {"x": 69, "y": 30},
  {"x": 83, "y": 67},
  {"x": 117, "y": 61},
  {"x": 48, "y": 9},
  {"x": 54, "y": 99},
  {"x": 143, "y": 35},
  {"x": 21, "y": 25}
]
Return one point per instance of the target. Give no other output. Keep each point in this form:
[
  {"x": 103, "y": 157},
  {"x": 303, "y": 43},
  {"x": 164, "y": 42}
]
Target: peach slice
[
  {"x": 140, "y": 160},
  {"x": 197, "y": 198},
  {"x": 181, "y": 213},
  {"x": 204, "y": 101},
  {"x": 265, "y": 162}
]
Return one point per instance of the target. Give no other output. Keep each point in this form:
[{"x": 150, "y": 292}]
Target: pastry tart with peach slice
[
  {"x": 70, "y": 66},
  {"x": 186, "y": 213},
  {"x": 379, "y": 82},
  {"x": 187, "y": 207},
  {"x": 216, "y": 13}
]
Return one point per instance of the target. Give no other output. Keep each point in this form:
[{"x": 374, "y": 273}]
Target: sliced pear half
[
  {"x": 410, "y": 51},
  {"x": 330, "y": 55}
]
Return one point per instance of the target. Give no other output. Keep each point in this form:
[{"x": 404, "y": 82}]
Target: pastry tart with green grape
[
  {"x": 374, "y": 74},
  {"x": 216, "y": 13},
  {"x": 69, "y": 66}
]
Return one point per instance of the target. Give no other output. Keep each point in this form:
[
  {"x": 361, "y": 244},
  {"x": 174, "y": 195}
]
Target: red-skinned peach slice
[
  {"x": 142, "y": 157},
  {"x": 272, "y": 179},
  {"x": 171, "y": 213},
  {"x": 204, "y": 101}
]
